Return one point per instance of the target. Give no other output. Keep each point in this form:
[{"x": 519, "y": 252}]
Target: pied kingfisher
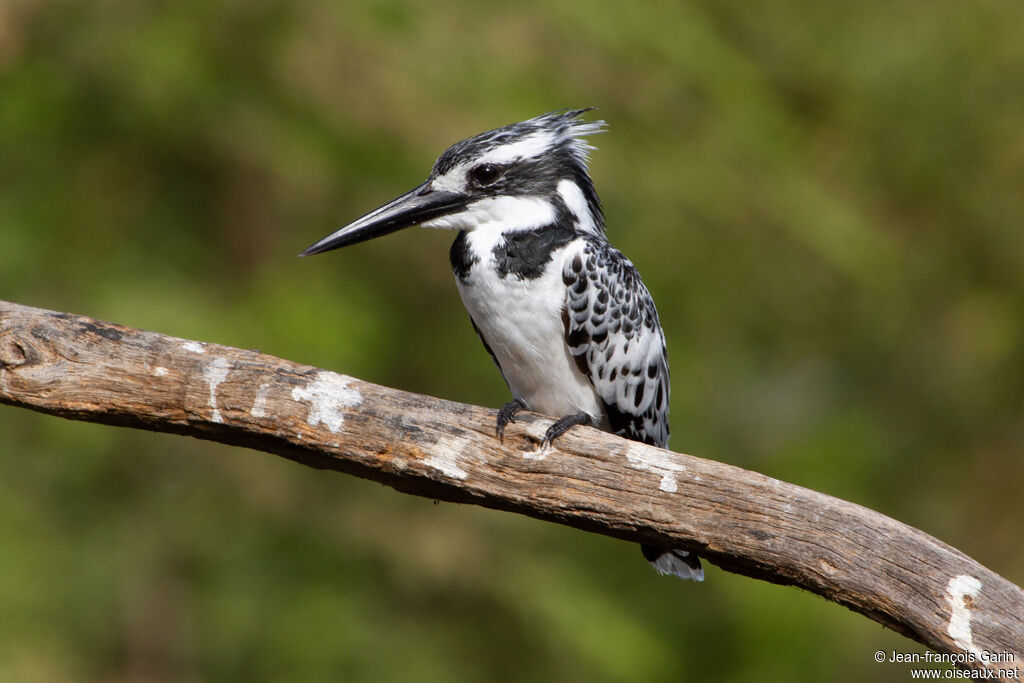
[{"x": 564, "y": 314}]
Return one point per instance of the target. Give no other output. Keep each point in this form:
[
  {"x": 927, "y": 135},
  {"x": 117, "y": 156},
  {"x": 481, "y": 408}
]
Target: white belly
[{"x": 521, "y": 320}]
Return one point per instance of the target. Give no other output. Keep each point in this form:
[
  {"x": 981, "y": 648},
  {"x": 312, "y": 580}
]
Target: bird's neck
[
  {"x": 579, "y": 199},
  {"x": 509, "y": 253}
]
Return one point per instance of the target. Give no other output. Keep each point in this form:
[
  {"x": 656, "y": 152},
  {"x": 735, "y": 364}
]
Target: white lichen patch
[
  {"x": 259, "y": 404},
  {"x": 540, "y": 452},
  {"x": 960, "y": 594},
  {"x": 216, "y": 373},
  {"x": 159, "y": 371},
  {"x": 194, "y": 347},
  {"x": 658, "y": 462},
  {"x": 443, "y": 456},
  {"x": 328, "y": 395},
  {"x": 537, "y": 431}
]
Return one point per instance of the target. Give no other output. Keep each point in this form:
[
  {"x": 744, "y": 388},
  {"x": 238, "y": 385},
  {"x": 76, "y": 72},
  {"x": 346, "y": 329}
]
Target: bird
[{"x": 565, "y": 315}]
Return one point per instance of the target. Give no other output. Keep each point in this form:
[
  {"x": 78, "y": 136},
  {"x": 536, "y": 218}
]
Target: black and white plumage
[{"x": 564, "y": 314}]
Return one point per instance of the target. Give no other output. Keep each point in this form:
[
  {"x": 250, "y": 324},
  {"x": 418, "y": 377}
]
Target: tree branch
[{"x": 744, "y": 522}]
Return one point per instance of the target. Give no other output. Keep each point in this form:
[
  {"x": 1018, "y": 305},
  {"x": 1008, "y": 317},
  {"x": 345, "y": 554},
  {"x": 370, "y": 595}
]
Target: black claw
[
  {"x": 506, "y": 414},
  {"x": 564, "y": 424}
]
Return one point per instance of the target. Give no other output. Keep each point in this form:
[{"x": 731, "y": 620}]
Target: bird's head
[{"x": 523, "y": 176}]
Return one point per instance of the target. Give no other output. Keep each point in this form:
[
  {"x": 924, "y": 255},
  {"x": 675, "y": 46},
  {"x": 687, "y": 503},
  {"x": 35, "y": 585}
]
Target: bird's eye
[{"x": 485, "y": 174}]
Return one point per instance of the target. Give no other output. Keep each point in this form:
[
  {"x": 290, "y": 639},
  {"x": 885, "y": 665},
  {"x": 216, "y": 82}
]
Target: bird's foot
[
  {"x": 506, "y": 414},
  {"x": 562, "y": 425}
]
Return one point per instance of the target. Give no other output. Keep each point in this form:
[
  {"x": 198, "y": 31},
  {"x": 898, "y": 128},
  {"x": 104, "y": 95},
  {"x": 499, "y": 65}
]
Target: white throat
[{"x": 506, "y": 214}]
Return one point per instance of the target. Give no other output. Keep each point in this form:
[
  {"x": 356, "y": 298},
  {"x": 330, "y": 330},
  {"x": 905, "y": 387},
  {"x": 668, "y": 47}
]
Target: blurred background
[{"x": 824, "y": 198}]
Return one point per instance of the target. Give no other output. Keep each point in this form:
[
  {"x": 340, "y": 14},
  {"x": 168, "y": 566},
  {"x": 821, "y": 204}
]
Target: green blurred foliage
[{"x": 825, "y": 199}]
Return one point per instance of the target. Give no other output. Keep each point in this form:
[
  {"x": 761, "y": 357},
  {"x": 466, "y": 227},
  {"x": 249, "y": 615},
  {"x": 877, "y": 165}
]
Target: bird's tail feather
[{"x": 681, "y": 563}]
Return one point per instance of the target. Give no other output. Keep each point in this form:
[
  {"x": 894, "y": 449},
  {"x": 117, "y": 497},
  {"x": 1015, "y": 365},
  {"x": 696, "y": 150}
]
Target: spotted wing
[{"x": 613, "y": 333}]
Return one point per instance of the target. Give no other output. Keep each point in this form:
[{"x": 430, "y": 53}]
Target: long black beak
[{"x": 412, "y": 208}]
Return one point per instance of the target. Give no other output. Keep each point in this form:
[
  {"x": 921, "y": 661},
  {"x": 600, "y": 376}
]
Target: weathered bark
[{"x": 744, "y": 522}]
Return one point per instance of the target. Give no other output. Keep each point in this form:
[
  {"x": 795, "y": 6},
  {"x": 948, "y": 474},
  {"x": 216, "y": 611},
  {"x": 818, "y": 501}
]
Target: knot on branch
[{"x": 16, "y": 351}]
